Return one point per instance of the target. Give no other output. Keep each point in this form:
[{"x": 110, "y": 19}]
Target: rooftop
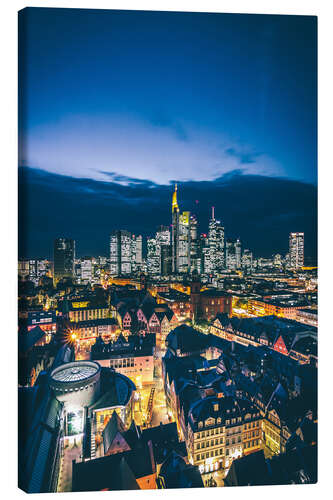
[{"x": 75, "y": 371}]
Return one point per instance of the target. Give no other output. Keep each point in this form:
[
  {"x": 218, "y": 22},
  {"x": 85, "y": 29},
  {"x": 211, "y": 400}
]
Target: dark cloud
[
  {"x": 127, "y": 180},
  {"x": 260, "y": 210},
  {"x": 243, "y": 157}
]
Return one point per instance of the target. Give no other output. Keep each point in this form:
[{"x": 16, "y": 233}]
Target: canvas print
[{"x": 167, "y": 273}]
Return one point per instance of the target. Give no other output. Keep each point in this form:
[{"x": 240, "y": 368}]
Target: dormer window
[
  {"x": 200, "y": 425},
  {"x": 216, "y": 407}
]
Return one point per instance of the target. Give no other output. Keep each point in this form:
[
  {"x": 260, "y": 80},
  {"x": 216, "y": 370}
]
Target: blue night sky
[{"x": 115, "y": 106}]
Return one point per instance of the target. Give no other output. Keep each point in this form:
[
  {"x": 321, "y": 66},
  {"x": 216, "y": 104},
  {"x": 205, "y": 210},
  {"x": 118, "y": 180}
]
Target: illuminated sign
[{"x": 77, "y": 305}]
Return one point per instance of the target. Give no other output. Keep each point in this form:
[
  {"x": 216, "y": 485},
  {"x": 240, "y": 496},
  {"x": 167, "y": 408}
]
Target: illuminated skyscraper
[
  {"x": 174, "y": 232},
  {"x": 184, "y": 243},
  {"x": 153, "y": 257},
  {"x": 230, "y": 255},
  {"x": 238, "y": 253},
  {"x": 180, "y": 238},
  {"x": 163, "y": 241},
  {"x": 136, "y": 251},
  {"x": 120, "y": 253},
  {"x": 247, "y": 261},
  {"x": 194, "y": 245},
  {"x": 86, "y": 270},
  {"x": 216, "y": 243},
  {"x": 63, "y": 258},
  {"x": 296, "y": 250}
]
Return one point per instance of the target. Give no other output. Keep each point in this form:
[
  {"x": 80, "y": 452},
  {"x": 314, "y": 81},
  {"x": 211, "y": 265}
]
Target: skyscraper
[
  {"x": 153, "y": 257},
  {"x": 194, "y": 244},
  {"x": 216, "y": 243},
  {"x": 86, "y": 270},
  {"x": 296, "y": 250},
  {"x": 120, "y": 253},
  {"x": 163, "y": 242},
  {"x": 184, "y": 243},
  {"x": 180, "y": 238},
  {"x": 238, "y": 253},
  {"x": 247, "y": 260},
  {"x": 230, "y": 255},
  {"x": 63, "y": 259},
  {"x": 136, "y": 252},
  {"x": 174, "y": 232}
]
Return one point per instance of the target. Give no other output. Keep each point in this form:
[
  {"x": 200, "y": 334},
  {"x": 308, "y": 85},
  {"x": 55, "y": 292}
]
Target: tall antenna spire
[{"x": 213, "y": 213}]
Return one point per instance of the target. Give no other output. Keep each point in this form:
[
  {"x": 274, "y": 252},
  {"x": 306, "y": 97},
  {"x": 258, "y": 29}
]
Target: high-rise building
[
  {"x": 216, "y": 243},
  {"x": 37, "y": 269},
  {"x": 180, "y": 238},
  {"x": 277, "y": 260},
  {"x": 247, "y": 260},
  {"x": 136, "y": 252},
  {"x": 238, "y": 253},
  {"x": 63, "y": 258},
  {"x": 163, "y": 241},
  {"x": 174, "y": 232},
  {"x": 153, "y": 257},
  {"x": 120, "y": 253},
  {"x": 194, "y": 245},
  {"x": 86, "y": 270},
  {"x": 230, "y": 255},
  {"x": 166, "y": 257},
  {"x": 163, "y": 235},
  {"x": 296, "y": 250},
  {"x": 184, "y": 243}
]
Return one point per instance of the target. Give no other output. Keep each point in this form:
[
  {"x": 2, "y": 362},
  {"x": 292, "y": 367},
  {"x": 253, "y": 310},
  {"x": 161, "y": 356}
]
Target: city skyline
[
  {"x": 202, "y": 213},
  {"x": 226, "y": 102}
]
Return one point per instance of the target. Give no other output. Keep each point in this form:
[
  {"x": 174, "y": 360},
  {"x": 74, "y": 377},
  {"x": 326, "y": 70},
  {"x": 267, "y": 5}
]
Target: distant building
[
  {"x": 23, "y": 268},
  {"x": 136, "y": 250},
  {"x": 153, "y": 257},
  {"x": 216, "y": 244},
  {"x": 175, "y": 232},
  {"x": 120, "y": 253},
  {"x": 184, "y": 243},
  {"x": 194, "y": 245},
  {"x": 230, "y": 255},
  {"x": 86, "y": 271},
  {"x": 180, "y": 238},
  {"x": 63, "y": 259},
  {"x": 296, "y": 250},
  {"x": 247, "y": 260}
]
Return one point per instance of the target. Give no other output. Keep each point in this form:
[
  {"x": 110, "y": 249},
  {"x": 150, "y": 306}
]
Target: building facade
[
  {"x": 63, "y": 259},
  {"x": 296, "y": 250}
]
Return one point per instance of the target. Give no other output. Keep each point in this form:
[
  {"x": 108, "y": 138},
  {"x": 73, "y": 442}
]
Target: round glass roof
[{"x": 75, "y": 373}]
